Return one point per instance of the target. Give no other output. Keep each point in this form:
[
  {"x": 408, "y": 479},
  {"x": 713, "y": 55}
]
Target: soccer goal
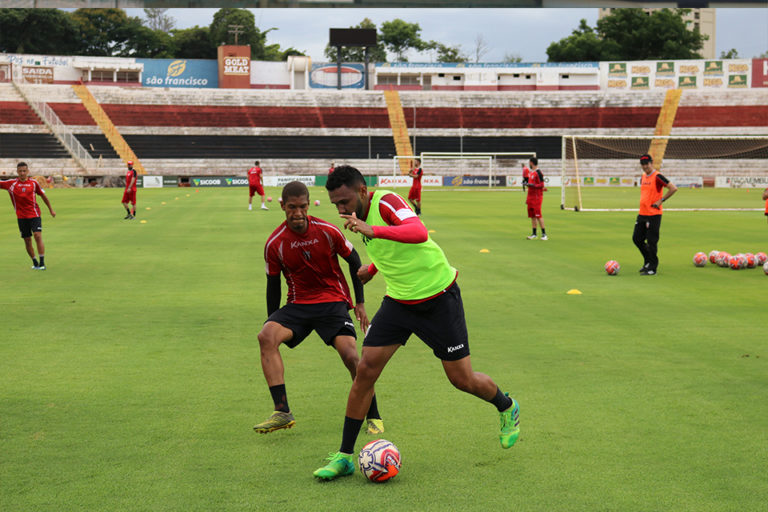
[
  {"x": 488, "y": 169},
  {"x": 590, "y": 161}
]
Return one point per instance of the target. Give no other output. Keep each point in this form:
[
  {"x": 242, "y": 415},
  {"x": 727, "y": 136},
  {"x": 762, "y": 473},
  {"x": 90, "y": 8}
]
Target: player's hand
[
  {"x": 657, "y": 204},
  {"x": 53, "y": 213},
  {"x": 355, "y": 225},
  {"x": 362, "y": 317},
  {"x": 363, "y": 275}
]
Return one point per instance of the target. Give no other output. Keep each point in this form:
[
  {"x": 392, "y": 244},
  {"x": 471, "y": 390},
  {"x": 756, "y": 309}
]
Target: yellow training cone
[
  {"x": 187, "y": 195},
  {"x": 163, "y": 202},
  {"x": 148, "y": 208},
  {"x": 143, "y": 222},
  {"x": 484, "y": 250},
  {"x": 574, "y": 291},
  {"x": 431, "y": 231}
]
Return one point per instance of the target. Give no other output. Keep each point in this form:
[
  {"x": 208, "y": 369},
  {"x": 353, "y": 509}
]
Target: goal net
[
  {"x": 474, "y": 169},
  {"x": 590, "y": 162}
]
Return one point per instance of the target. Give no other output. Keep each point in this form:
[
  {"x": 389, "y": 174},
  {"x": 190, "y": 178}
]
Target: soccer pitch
[{"x": 131, "y": 379}]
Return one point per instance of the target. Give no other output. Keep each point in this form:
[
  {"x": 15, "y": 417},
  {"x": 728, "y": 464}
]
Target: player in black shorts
[{"x": 305, "y": 250}]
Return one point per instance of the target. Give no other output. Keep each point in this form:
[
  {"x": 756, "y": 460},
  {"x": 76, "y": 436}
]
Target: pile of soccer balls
[{"x": 733, "y": 261}]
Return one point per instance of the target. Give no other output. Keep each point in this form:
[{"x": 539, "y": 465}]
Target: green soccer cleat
[
  {"x": 510, "y": 425},
  {"x": 375, "y": 426},
  {"x": 277, "y": 421},
  {"x": 340, "y": 464}
]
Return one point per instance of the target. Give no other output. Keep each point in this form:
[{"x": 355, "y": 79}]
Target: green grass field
[{"x": 130, "y": 376}]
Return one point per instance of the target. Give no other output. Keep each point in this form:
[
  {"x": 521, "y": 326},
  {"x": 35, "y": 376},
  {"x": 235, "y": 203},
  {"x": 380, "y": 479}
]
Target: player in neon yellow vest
[{"x": 422, "y": 298}]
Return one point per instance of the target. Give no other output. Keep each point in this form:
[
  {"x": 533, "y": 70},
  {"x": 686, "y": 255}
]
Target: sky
[{"x": 523, "y": 32}]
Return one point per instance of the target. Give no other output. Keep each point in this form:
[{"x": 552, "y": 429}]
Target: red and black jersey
[
  {"x": 23, "y": 196},
  {"x": 254, "y": 176},
  {"x": 130, "y": 176},
  {"x": 309, "y": 262},
  {"x": 419, "y": 172},
  {"x": 535, "y": 187}
]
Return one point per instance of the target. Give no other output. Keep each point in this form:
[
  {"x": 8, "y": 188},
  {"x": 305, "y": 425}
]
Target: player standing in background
[
  {"x": 414, "y": 194},
  {"x": 129, "y": 194},
  {"x": 535, "y": 198},
  {"x": 333, "y": 166},
  {"x": 255, "y": 185},
  {"x": 22, "y": 191},
  {"x": 306, "y": 249},
  {"x": 648, "y": 223},
  {"x": 526, "y": 172},
  {"x": 422, "y": 298},
  {"x": 765, "y": 197}
]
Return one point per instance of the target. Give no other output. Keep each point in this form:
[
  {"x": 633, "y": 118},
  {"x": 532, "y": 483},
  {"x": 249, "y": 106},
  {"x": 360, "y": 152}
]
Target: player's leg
[
  {"x": 38, "y": 236},
  {"x": 271, "y": 336},
  {"x": 127, "y": 207},
  {"x": 133, "y": 204},
  {"x": 347, "y": 349},
  {"x": 532, "y": 216},
  {"x": 638, "y": 237},
  {"x": 260, "y": 191},
  {"x": 540, "y": 221},
  {"x": 652, "y": 237},
  {"x": 371, "y": 365},
  {"x": 251, "y": 191},
  {"x": 29, "y": 246}
]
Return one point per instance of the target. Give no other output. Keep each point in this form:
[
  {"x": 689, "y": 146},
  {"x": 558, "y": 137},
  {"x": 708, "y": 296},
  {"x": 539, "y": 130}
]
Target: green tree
[
  {"x": 399, "y": 36},
  {"x": 631, "y": 34},
  {"x": 447, "y": 53},
  {"x": 103, "y": 32},
  {"x": 730, "y": 54},
  {"x": 157, "y": 19},
  {"x": 221, "y": 27},
  {"x": 42, "y": 31},
  {"x": 512, "y": 57},
  {"x": 193, "y": 43},
  {"x": 357, "y": 53}
]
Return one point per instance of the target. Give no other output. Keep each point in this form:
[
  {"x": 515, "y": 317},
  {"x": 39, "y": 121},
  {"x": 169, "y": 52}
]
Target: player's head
[
  {"x": 22, "y": 170},
  {"x": 347, "y": 190},
  {"x": 646, "y": 162},
  {"x": 295, "y": 204},
  {"x": 533, "y": 161},
  {"x": 130, "y": 164},
  {"x": 418, "y": 162}
]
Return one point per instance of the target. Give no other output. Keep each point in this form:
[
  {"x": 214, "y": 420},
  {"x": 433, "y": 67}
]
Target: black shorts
[
  {"x": 329, "y": 319},
  {"x": 439, "y": 322},
  {"x": 28, "y": 226}
]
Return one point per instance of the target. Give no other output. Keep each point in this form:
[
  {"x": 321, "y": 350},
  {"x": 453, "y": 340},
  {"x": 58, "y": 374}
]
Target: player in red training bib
[
  {"x": 414, "y": 195},
  {"x": 535, "y": 198},
  {"x": 23, "y": 192},
  {"x": 255, "y": 185},
  {"x": 305, "y": 250},
  {"x": 129, "y": 194}
]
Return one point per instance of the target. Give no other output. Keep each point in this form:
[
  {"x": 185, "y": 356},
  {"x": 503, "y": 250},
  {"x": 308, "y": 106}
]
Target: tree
[
  {"x": 43, "y": 31},
  {"x": 157, "y": 19},
  {"x": 220, "y": 32},
  {"x": 357, "y": 53},
  {"x": 730, "y": 54},
  {"x": 448, "y": 53},
  {"x": 103, "y": 32},
  {"x": 193, "y": 43},
  {"x": 481, "y": 47},
  {"x": 399, "y": 36},
  {"x": 631, "y": 34},
  {"x": 512, "y": 57}
]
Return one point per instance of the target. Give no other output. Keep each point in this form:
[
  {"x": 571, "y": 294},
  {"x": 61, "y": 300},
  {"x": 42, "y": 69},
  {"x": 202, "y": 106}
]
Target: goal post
[
  {"x": 492, "y": 165},
  {"x": 590, "y": 161}
]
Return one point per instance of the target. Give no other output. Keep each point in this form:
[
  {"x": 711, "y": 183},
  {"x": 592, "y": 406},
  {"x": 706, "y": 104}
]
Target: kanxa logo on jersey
[{"x": 305, "y": 243}]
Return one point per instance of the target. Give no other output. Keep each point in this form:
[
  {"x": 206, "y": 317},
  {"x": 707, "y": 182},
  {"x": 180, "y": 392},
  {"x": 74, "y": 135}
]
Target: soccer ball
[
  {"x": 765, "y": 268},
  {"x": 379, "y": 460},
  {"x": 317, "y": 202},
  {"x": 612, "y": 267},
  {"x": 699, "y": 259},
  {"x": 751, "y": 260},
  {"x": 761, "y": 258},
  {"x": 713, "y": 256},
  {"x": 269, "y": 199},
  {"x": 723, "y": 259},
  {"x": 734, "y": 262}
]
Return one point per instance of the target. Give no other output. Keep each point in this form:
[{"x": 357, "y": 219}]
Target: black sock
[
  {"x": 279, "y": 397},
  {"x": 42, "y": 260},
  {"x": 133, "y": 212},
  {"x": 373, "y": 411},
  {"x": 543, "y": 232},
  {"x": 34, "y": 262},
  {"x": 534, "y": 231},
  {"x": 501, "y": 401},
  {"x": 351, "y": 429}
]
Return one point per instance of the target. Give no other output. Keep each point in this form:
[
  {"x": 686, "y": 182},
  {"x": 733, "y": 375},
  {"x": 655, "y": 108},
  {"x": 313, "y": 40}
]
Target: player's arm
[
  {"x": 765, "y": 194},
  {"x": 353, "y": 260},
  {"x": 273, "y": 293},
  {"x": 671, "y": 189}
]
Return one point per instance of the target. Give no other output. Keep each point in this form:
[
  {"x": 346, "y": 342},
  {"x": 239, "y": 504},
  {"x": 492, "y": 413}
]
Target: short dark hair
[
  {"x": 256, "y": 162},
  {"x": 344, "y": 175},
  {"x": 534, "y": 160},
  {"x": 646, "y": 159},
  {"x": 21, "y": 164},
  {"x": 295, "y": 189}
]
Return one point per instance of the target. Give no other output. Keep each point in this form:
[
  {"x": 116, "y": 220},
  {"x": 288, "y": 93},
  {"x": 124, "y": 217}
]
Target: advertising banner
[
  {"x": 179, "y": 73},
  {"x": 689, "y": 182},
  {"x": 395, "y": 181},
  {"x": 152, "y": 181},
  {"x": 37, "y": 74},
  {"x": 281, "y": 181},
  {"x": 219, "y": 181},
  {"x": 759, "y": 72},
  {"x": 325, "y": 76},
  {"x": 473, "y": 181},
  {"x": 234, "y": 66},
  {"x": 760, "y": 182}
]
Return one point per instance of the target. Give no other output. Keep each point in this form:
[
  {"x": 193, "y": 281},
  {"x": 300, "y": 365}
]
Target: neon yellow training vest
[{"x": 411, "y": 271}]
